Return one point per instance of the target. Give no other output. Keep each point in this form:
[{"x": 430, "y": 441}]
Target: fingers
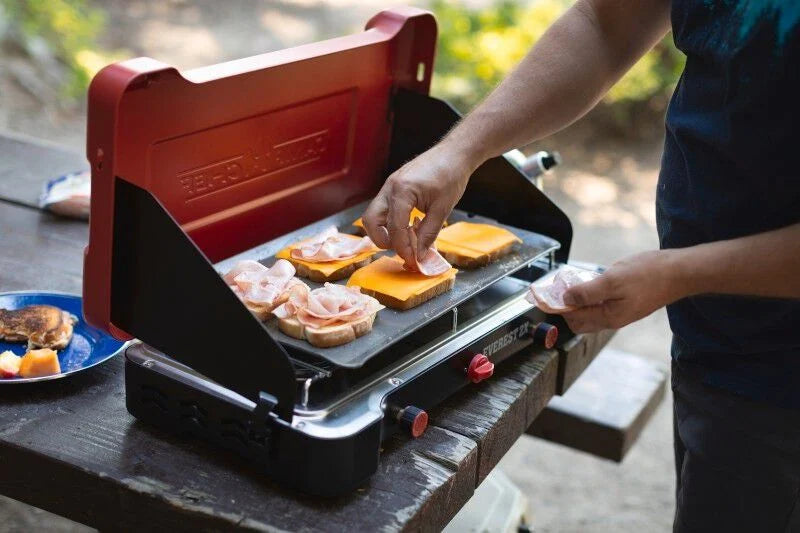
[
  {"x": 586, "y": 319},
  {"x": 430, "y": 226},
  {"x": 590, "y": 293},
  {"x": 375, "y": 219},
  {"x": 400, "y": 208}
]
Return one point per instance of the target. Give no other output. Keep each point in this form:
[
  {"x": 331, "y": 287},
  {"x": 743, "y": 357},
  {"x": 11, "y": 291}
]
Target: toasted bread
[
  {"x": 388, "y": 282},
  {"x": 415, "y": 213},
  {"x": 328, "y": 336},
  {"x": 313, "y": 271},
  {"x": 471, "y": 245}
]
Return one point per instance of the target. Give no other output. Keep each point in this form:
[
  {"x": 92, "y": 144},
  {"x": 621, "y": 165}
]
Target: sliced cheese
[
  {"x": 474, "y": 240},
  {"x": 328, "y": 267},
  {"x": 415, "y": 213},
  {"x": 386, "y": 275}
]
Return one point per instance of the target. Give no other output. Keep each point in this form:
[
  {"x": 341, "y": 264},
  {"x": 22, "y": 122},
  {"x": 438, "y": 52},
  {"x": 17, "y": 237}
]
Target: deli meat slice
[
  {"x": 328, "y": 305},
  {"x": 258, "y": 285},
  {"x": 431, "y": 263},
  {"x": 330, "y": 245},
  {"x": 549, "y": 294}
]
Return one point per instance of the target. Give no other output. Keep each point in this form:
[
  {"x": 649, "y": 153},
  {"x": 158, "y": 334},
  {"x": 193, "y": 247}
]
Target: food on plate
[
  {"x": 471, "y": 245},
  {"x": 328, "y": 316},
  {"x": 261, "y": 289},
  {"x": 394, "y": 286},
  {"x": 431, "y": 263},
  {"x": 9, "y": 364},
  {"x": 43, "y": 326},
  {"x": 415, "y": 214},
  {"x": 548, "y": 293},
  {"x": 38, "y": 363},
  {"x": 329, "y": 255}
]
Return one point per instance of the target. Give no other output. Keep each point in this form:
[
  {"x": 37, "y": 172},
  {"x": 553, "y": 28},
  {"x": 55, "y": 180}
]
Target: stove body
[{"x": 193, "y": 171}]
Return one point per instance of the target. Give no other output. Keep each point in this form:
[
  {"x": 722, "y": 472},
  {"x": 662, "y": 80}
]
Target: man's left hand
[{"x": 628, "y": 291}]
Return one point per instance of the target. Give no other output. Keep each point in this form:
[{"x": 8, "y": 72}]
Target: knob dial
[
  {"x": 479, "y": 368},
  {"x": 413, "y": 420},
  {"x": 545, "y": 335}
]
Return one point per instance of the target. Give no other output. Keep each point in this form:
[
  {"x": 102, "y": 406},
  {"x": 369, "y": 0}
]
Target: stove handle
[{"x": 534, "y": 166}]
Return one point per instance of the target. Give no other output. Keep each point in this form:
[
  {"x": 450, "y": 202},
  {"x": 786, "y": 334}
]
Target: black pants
[{"x": 737, "y": 462}]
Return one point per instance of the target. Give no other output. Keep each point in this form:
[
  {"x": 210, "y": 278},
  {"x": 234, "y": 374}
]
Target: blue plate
[{"x": 89, "y": 346}]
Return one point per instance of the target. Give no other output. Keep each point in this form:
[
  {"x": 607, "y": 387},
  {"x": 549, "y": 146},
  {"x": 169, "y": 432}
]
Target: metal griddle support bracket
[{"x": 165, "y": 292}]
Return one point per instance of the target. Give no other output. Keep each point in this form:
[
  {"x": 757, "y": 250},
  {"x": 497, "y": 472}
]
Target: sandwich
[
  {"x": 471, "y": 245},
  {"x": 415, "y": 214},
  {"x": 43, "y": 326},
  {"x": 329, "y": 255},
  {"x": 261, "y": 289}
]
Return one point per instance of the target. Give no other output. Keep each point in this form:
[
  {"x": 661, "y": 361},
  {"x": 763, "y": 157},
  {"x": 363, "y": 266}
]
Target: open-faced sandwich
[
  {"x": 415, "y": 214},
  {"x": 43, "y": 326},
  {"x": 471, "y": 245},
  {"x": 261, "y": 289},
  {"x": 328, "y": 316},
  {"x": 329, "y": 255}
]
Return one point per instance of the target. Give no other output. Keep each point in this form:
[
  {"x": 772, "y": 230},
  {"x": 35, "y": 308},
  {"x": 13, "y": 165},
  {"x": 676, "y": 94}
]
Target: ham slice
[
  {"x": 330, "y": 245},
  {"x": 431, "y": 263},
  {"x": 258, "y": 285},
  {"x": 328, "y": 305},
  {"x": 549, "y": 294}
]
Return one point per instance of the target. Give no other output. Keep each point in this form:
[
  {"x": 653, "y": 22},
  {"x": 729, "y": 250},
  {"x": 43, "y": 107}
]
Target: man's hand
[
  {"x": 433, "y": 183},
  {"x": 631, "y": 289}
]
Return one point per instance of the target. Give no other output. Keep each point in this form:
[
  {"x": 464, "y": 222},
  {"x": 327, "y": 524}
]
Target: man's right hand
[{"x": 433, "y": 183}]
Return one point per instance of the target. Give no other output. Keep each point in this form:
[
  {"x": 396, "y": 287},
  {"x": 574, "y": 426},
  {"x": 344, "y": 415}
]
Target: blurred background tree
[
  {"x": 62, "y": 32},
  {"x": 479, "y": 46}
]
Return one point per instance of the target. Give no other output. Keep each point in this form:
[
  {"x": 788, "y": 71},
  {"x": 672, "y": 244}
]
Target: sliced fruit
[
  {"x": 9, "y": 364},
  {"x": 37, "y": 363}
]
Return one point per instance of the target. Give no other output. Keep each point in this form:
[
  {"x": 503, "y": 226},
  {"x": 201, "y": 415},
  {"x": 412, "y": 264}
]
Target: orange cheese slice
[
  {"x": 415, "y": 213},
  {"x": 329, "y": 267},
  {"x": 474, "y": 240},
  {"x": 386, "y": 275}
]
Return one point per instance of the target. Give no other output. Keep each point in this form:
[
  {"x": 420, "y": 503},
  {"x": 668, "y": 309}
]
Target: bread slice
[
  {"x": 313, "y": 271},
  {"x": 473, "y": 245},
  {"x": 415, "y": 213},
  {"x": 328, "y": 336},
  {"x": 388, "y": 282}
]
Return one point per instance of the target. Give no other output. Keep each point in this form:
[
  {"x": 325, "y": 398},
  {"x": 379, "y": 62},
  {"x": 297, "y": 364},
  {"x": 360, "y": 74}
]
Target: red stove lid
[{"x": 242, "y": 152}]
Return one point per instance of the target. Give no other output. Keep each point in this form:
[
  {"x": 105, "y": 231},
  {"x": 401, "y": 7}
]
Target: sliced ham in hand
[
  {"x": 330, "y": 245},
  {"x": 258, "y": 285},
  {"x": 548, "y": 294},
  {"x": 328, "y": 305},
  {"x": 431, "y": 263}
]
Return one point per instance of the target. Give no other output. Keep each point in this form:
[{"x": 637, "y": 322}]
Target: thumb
[
  {"x": 429, "y": 228},
  {"x": 589, "y": 293}
]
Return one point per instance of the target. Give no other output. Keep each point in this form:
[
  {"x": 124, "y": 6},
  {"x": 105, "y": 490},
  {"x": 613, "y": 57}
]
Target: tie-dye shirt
[{"x": 731, "y": 168}]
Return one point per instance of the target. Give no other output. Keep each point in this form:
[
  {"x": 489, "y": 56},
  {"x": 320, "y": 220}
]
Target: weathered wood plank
[
  {"x": 27, "y": 163},
  {"x": 577, "y": 353},
  {"x": 606, "y": 408},
  {"x": 496, "y": 412}
]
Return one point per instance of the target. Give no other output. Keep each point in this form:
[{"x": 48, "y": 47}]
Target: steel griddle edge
[{"x": 392, "y": 325}]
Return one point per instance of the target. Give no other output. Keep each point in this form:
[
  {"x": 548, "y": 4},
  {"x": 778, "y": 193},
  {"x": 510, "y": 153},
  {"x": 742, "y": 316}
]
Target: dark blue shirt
[{"x": 731, "y": 168}]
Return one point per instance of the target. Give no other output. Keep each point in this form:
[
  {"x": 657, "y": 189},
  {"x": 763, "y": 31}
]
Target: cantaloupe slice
[{"x": 37, "y": 363}]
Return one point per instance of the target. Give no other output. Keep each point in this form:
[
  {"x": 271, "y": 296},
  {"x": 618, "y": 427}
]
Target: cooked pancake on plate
[{"x": 43, "y": 326}]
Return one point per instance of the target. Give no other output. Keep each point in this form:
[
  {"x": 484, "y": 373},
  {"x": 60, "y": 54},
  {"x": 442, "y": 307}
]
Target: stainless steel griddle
[{"x": 392, "y": 325}]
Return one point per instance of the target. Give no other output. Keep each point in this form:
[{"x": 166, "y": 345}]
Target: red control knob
[
  {"x": 545, "y": 335},
  {"x": 480, "y": 368},
  {"x": 414, "y": 420}
]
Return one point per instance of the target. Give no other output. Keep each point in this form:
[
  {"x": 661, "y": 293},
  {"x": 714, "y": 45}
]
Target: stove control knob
[
  {"x": 545, "y": 335},
  {"x": 414, "y": 420},
  {"x": 480, "y": 368}
]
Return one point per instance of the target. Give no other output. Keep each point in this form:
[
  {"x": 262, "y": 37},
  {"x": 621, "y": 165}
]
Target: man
[{"x": 728, "y": 211}]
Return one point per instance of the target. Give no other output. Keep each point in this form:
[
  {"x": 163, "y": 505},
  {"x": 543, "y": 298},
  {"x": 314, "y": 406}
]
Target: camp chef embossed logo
[
  {"x": 219, "y": 175},
  {"x": 500, "y": 343}
]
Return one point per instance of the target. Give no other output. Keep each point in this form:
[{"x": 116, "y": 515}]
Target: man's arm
[
  {"x": 571, "y": 67},
  {"x": 766, "y": 264}
]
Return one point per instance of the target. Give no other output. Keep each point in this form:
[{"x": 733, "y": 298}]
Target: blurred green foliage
[
  {"x": 69, "y": 28},
  {"x": 478, "y": 47}
]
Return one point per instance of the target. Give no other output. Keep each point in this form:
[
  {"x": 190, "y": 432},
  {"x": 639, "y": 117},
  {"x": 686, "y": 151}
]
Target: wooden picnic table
[{"x": 69, "y": 446}]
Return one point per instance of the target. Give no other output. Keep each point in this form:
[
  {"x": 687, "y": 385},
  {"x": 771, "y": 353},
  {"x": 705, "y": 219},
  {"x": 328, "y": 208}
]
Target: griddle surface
[{"x": 392, "y": 325}]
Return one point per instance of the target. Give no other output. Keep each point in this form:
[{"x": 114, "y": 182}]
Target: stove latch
[{"x": 479, "y": 368}]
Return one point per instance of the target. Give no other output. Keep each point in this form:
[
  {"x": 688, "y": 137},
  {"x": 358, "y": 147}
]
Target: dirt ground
[{"x": 606, "y": 186}]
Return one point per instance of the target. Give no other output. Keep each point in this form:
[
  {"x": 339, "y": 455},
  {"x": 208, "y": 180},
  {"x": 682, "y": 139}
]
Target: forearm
[
  {"x": 571, "y": 67},
  {"x": 766, "y": 264}
]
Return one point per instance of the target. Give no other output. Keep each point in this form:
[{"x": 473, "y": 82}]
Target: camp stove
[{"x": 193, "y": 171}]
